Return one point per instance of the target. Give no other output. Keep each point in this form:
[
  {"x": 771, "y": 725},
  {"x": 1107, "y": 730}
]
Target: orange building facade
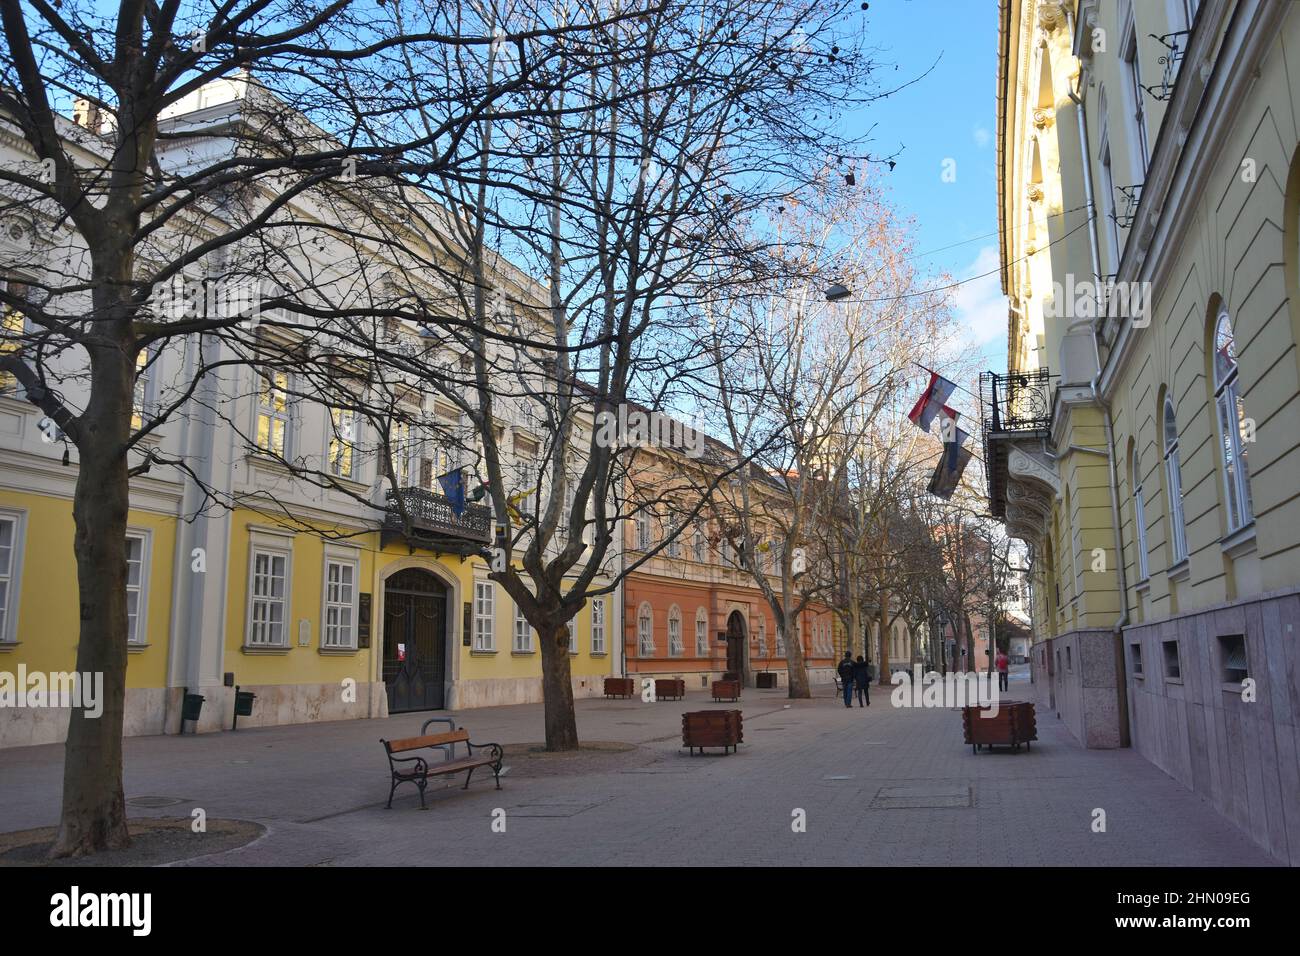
[{"x": 700, "y": 617}]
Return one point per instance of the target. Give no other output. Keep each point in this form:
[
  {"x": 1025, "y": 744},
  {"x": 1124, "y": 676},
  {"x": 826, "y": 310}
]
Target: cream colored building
[{"x": 1145, "y": 439}]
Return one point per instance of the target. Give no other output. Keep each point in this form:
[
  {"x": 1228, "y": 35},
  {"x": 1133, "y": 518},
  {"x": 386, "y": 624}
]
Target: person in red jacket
[{"x": 1003, "y": 664}]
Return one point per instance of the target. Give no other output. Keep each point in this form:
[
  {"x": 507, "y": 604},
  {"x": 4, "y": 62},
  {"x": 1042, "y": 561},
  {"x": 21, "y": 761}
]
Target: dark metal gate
[{"x": 415, "y": 641}]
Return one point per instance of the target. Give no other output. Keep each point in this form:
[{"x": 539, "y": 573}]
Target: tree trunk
[
  {"x": 94, "y": 810},
  {"x": 557, "y": 691},
  {"x": 883, "y": 623},
  {"x": 796, "y": 671}
]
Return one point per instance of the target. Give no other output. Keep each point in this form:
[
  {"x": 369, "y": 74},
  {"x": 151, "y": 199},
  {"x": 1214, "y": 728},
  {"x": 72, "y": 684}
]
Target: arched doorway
[
  {"x": 737, "y": 642},
  {"x": 415, "y": 641}
]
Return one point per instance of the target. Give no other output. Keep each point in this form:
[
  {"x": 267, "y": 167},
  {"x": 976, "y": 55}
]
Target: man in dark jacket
[
  {"x": 845, "y": 670},
  {"x": 862, "y": 680}
]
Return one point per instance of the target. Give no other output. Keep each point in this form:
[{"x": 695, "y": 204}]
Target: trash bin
[
  {"x": 191, "y": 707},
  {"x": 243, "y": 705}
]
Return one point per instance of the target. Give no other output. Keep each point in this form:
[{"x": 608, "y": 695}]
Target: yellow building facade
[{"x": 1145, "y": 438}]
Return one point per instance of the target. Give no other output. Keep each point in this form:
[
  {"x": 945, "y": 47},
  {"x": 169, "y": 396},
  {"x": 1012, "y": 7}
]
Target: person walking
[
  {"x": 1004, "y": 664},
  {"x": 845, "y": 670},
  {"x": 862, "y": 680}
]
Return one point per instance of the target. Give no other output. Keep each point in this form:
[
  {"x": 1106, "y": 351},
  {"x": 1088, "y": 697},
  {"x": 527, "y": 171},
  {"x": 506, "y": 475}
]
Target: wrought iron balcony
[
  {"x": 1013, "y": 407},
  {"x": 1016, "y": 402},
  {"x": 1176, "y": 44},
  {"x": 431, "y": 523}
]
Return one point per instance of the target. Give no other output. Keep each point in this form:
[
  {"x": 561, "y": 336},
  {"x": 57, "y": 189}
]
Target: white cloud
[
  {"x": 982, "y": 137},
  {"x": 979, "y": 305}
]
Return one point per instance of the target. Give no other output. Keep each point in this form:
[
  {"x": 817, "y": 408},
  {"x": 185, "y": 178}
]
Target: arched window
[
  {"x": 701, "y": 633},
  {"x": 1174, "y": 486},
  {"x": 762, "y": 636},
  {"x": 1231, "y": 414},
  {"x": 645, "y": 622},
  {"x": 674, "y": 631},
  {"x": 1139, "y": 516}
]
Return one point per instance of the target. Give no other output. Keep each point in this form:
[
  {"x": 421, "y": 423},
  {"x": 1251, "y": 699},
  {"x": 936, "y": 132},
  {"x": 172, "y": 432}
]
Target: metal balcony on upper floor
[
  {"x": 1014, "y": 408},
  {"x": 431, "y": 524}
]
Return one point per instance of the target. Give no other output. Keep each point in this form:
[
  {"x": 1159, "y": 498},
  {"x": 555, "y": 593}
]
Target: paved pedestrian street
[{"x": 878, "y": 786}]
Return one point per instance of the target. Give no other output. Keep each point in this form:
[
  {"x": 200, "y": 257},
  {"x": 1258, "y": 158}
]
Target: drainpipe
[{"x": 1118, "y": 628}]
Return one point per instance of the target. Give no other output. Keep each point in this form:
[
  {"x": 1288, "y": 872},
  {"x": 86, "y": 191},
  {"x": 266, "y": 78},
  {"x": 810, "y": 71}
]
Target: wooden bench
[
  {"x": 421, "y": 770},
  {"x": 619, "y": 686},
  {"x": 673, "y": 688}
]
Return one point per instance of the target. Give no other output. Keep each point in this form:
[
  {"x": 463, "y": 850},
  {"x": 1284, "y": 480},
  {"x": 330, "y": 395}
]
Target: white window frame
[
  {"x": 699, "y": 544},
  {"x": 401, "y": 452},
  {"x": 643, "y": 532},
  {"x": 347, "y": 419},
  {"x": 1227, "y": 408},
  {"x": 598, "y": 625},
  {"x": 1174, "y": 484},
  {"x": 1140, "y": 519},
  {"x": 258, "y": 546},
  {"x": 267, "y": 388},
  {"x": 1130, "y": 57},
  {"x": 11, "y": 574},
  {"x": 143, "y": 389},
  {"x": 341, "y": 560},
  {"x": 139, "y": 634},
  {"x": 675, "y": 647},
  {"x": 701, "y": 632},
  {"x": 645, "y": 630},
  {"x": 522, "y": 634},
  {"x": 484, "y": 616},
  {"x": 1111, "y": 213},
  {"x": 761, "y": 631}
]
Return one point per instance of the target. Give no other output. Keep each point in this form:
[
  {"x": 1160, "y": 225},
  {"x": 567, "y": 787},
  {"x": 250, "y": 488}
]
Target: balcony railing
[
  {"x": 1126, "y": 211},
  {"x": 1176, "y": 44},
  {"x": 434, "y": 524},
  {"x": 1016, "y": 402}
]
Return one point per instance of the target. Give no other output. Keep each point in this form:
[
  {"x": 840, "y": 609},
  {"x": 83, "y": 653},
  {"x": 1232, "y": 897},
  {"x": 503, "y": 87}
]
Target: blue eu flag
[{"x": 453, "y": 486}]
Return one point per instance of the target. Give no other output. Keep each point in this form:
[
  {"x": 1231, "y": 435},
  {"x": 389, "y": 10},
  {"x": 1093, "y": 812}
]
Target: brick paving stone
[{"x": 320, "y": 789}]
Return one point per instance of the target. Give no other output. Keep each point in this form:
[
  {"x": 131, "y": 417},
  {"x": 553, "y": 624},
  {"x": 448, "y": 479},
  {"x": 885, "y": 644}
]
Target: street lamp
[{"x": 837, "y": 292}]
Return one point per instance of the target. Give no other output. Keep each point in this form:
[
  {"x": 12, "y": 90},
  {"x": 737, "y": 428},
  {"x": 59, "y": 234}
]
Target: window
[
  {"x": 10, "y": 549},
  {"x": 273, "y": 414},
  {"x": 1231, "y": 414},
  {"x": 268, "y": 611},
  {"x": 1133, "y": 80},
  {"x": 13, "y": 327},
  {"x": 645, "y": 631},
  {"x": 573, "y": 634},
  {"x": 484, "y": 616},
  {"x": 1069, "y": 659},
  {"x": 643, "y": 532},
  {"x": 343, "y": 442},
  {"x": 699, "y": 544},
  {"x": 674, "y": 631},
  {"x": 399, "y": 450},
  {"x": 340, "y": 603},
  {"x": 1139, "y": 518},
  {"x": 142, "y": 395},
  {"x": 780, "y": 642},
  {"x": 1110, "y": 213},
  {"x": 1135, "y": 657},
  {"x": 762, "y": 636},
  {"x": 523, "y": 639},
  {"x": 724, "y": 550},
  {"x": 1172, "y": 669},
  {"x": 1232, "y": 657},
  {"x": 701, "y": 633},
  {"x": 598, "y": 625},
  {"x": 135, "y": 588},
  {"x": 675, "y": 545},
  {"x": 1174, "y": 486}
]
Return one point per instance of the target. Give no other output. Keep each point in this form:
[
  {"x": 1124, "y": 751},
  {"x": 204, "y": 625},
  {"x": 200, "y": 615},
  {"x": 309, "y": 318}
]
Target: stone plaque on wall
[{"x": 363, "y": 621}]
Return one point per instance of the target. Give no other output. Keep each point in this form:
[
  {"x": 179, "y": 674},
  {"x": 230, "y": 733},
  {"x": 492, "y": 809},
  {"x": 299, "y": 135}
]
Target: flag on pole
[
  {"x": 949, "y": 470},
  {"x": 453, "y": 486},
  {"x": 931, "y": 401}
]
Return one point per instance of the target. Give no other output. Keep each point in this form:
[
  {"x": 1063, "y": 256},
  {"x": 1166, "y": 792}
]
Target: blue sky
[{"x": 947, "y": 115}]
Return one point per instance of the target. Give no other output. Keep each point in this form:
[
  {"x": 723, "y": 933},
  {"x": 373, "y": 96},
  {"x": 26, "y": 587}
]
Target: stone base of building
[
  {"x": 1078, "y": 676},
  {"x": 504, "y": 691},
  {"x": 30, "y": 726},
  {"x": 1201, "y": 725}
]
